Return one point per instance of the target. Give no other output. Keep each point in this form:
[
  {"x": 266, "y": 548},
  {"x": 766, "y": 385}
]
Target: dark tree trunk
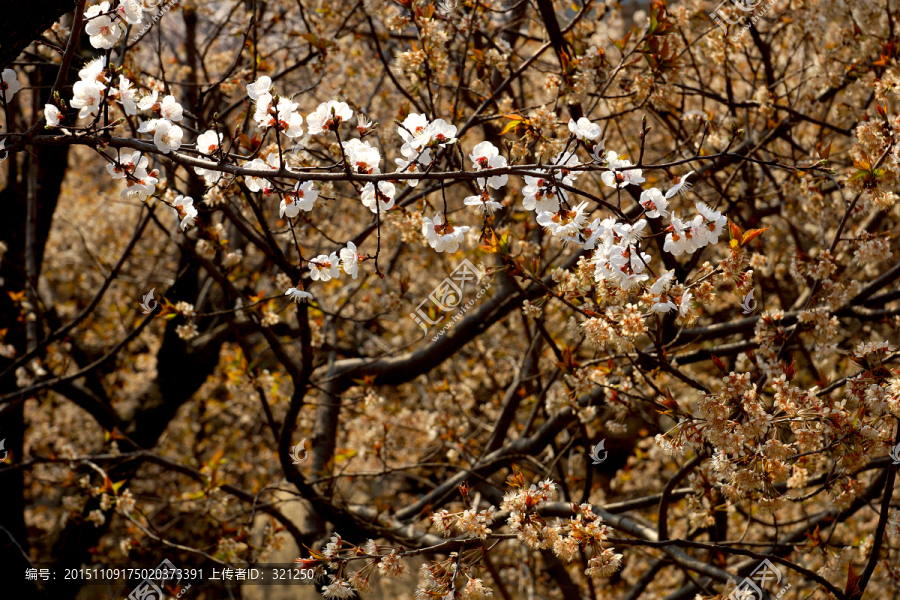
[{"x": 23, "y": 21}]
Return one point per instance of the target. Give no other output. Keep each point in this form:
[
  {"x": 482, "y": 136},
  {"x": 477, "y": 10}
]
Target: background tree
[{"x": 684, "y": 238}]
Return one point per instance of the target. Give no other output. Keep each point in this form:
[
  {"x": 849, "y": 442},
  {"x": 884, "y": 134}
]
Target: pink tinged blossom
[
  {"x": 339, "y": 588},
  {"x": 564, "y": 223},
  {"x": 148, "y": 101},
  {"x": 131, "y": 11},
  {"x": 540, "y": 195},
  {"x": 686, "y": 303},
  {"x": 86, "y": 95},
  {"x": 171, "y": 110},
  {"x": 104, "y": 32},
  {"x": 133, "y": 164},
  {"x": 412, "y": 128},
  {"x": 405, "y": 166}
]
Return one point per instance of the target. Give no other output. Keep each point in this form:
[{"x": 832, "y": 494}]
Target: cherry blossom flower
[
  {"x": 167, "y": 136},
  {"x": 679, "y": 239},
  {"x": 211, "y": 176},
  {"x": 630, "y": 234},
  {"x": 597, "y": 151},
  {"x": 442, "y": 236},
  {"x": 141, "y": 186},
  {"x": 476, "y": 590},
  {"x": 51, "y": 114},
  {"x": 363, "y": 157},
  {"x": 486, "y": 156},
  {"x": 131, "y": 11},
  {"x": 541, "y": 195},
  {"x": 262, "y": 114},
  {"x": 324, "y": 267},
  {"x": 483, "y": 202},
  {"x": 715, "y": 222},
  {"x": 384, "y": 194},
  {"x": 255, "y": 184},
  {"x": 411, "y": 130},
  {"x": 184, "y": 210},
  {"x": 282, "y": 116},
  {"x": 583, "y": 129},
  {"x": 654, "y": 203},
  {"x": 364, "y": 124},
  {"x": 170, "y": 109},
  {"x": 338, "y": 588},
  {"x": 3, "y": 153},
  {"x": 567, "y": 160},
  {"x": 662, "y": 303},
  {"x": 565, "y": 223},
  {"x": 103, "y": 30},
  {"x": 614, "y": 178},
  {"x": 93, "y": 70},
  {"x": 681, "y": 186},
  {"x": 333, "y": 546},
  {"x": 303, "y": 198},
  {"x": 133, "y": 164},
  {"x": 406, "y": 166},
  {"x": 208, "y": 142},
  {"x": 297, "y": 295},
  {"x": 328, "y": 116},
  {"x": 686, "y": 303},
  {"x": 148, "y": 101},
  {"x": 391, "y": 565},
  {"x": 418, "y": 133},
  {"x": 591, "y": 235},
  {"x": 438, "y": 133},
  {"x": 148, "y": 126},
  {"x": 125, "y": 96},
  {"x": 350, "y": 260},
  {"x": 604, "y": 564},
  {"x": 86, "y": 96},
  {"x": 259, "y": 87},
  {"x": 9, "y": 84}
]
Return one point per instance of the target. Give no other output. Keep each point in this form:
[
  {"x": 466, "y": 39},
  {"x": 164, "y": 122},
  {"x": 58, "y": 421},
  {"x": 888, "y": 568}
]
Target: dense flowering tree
[{"x": 571, "y": 301}]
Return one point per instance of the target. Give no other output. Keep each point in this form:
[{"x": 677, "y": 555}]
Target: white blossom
[
  {"x": 384, "y": 195},
  {"x": 328, "y": 116},
  {"x": 583, "y": 129},
  {"x": 9, "y": 84},
  {"x": 259, "y": 87},
  {"x": 486, "y": 156}
]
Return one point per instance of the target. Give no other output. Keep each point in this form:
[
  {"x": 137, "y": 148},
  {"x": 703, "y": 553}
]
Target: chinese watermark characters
[{"x": 448, "y": 296}]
